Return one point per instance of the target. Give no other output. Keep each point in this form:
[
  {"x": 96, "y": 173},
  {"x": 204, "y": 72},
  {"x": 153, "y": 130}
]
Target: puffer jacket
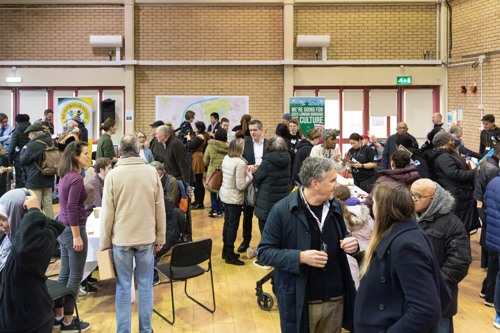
[
  {"x": 235, "y": 180},
  {"x": 303, "y": 151},
  {"x": 449, "y": 240},
  {"x": 31, "y": 156},
  {"x": 18, "y": 140},
  {"x": 406, "y": 176},
  {"x": 214, "y": 154},
  {"x": 273, "y": 180},
  {"x": 492, "y": 200},
  {"x": 486, "y": 171}
]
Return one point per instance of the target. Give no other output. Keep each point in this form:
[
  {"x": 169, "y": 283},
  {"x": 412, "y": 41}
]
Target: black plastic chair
[
  {"x": 57, "y": 290},
  {"x": 184, "y": 265}
]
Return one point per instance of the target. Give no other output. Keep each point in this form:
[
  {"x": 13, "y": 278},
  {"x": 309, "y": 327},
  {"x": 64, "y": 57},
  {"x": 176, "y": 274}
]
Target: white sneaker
[
  {"x": 83, "y": 292},
  {"x": 258, "y": 264}
]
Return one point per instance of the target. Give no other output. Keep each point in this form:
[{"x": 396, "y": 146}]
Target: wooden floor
[{"x": 237, "y": 309}]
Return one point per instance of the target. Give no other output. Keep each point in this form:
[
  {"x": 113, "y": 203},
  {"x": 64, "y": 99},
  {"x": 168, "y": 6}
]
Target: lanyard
[{"x": 326, "y": 208}]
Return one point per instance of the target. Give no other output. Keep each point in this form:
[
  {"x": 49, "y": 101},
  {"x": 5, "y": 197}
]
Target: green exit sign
[{"x": 403, "y": 80}]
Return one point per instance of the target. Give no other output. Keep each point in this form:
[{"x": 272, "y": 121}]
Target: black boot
[{"x": 232, "y": 259}]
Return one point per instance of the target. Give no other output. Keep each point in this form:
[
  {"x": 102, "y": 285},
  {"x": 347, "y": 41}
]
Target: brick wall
[
  {"x": 209, "y": 32},
  {"x": 263, "y": 85},
  {"x": 368, "y": 32},
  {"x": 475, "y": 30},
  {"x": 56, "y": 32}
]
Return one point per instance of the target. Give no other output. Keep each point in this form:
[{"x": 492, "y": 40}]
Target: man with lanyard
[
  {"x": 252, "y": 153},
  {"x": 214, "y": 124},
  {"x": 360, "y": 160},
  {"x": 306, "y": 241},
  {"x": 488, "y": 134}
]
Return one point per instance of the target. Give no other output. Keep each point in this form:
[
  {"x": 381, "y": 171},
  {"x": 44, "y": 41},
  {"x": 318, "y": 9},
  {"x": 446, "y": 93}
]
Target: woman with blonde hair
[
  {"x": 401, "y": 288},
  {"x": 144, "y": 151},
  {"x": 235, "y": 179}
]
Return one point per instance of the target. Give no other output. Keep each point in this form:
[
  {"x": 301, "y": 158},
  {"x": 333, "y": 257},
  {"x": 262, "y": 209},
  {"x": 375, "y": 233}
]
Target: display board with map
[{"x": 173, "y": 108}]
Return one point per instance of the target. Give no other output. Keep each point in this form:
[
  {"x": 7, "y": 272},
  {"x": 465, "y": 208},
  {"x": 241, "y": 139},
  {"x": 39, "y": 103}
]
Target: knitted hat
[{"x": 441, "y": 138}]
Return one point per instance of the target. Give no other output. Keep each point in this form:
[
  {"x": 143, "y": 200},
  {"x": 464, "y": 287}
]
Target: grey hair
[
  {"x": 164, "y": 129},
  {"x": 315, "y": 168},
  {"x": 330, "y": 132},
  {"x": 129, "y": 144},
  {"x": 160, "y": 168},
  {"x": 455, "y": 129},
  {"x": 276, "y": 143}
]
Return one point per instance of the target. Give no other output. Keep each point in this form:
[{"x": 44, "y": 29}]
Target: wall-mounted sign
[{"x": 403, "y": 80}]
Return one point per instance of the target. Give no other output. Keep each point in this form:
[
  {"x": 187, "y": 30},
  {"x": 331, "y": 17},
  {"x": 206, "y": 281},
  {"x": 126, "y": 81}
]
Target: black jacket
[
  {"x": 451, "y": 172},
  {"x": 450, "y": 242},
  {"x": 18, "y": 140},
  {"x": 420, "y": 161},
  {"x": 487, "y": 170},
  {"x": 248, "y": 153},
  {"x": 31, "y": 156},
  {"x": 303, "y": 151},
  {"x": 25, "y": 303},
  {"x": 273, "y": 180},
  {"x": 175, "y": 159},
  {"x": 485, "y": 140}
]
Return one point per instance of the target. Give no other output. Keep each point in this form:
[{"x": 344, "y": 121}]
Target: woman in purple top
[{"x": 73, "y": 240}]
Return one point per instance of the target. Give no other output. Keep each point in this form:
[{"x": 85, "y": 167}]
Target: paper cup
[{"x": 97, "y": 212}]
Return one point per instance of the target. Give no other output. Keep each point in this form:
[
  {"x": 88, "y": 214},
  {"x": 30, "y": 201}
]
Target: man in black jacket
[
  {"x": 447, "y": 234},
  {"x": 31, "y": 159},
  {"x": 18, "y": 140},
  {"x": 390, "y": 145},
  {"x": 255, "y": 148}
]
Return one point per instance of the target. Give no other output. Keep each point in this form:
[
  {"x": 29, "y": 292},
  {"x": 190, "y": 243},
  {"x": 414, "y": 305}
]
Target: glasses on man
[{"x": 418, "y": 196}]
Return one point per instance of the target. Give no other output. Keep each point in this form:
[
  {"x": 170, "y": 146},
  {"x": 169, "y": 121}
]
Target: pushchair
[{"x": 265, "y": 300}]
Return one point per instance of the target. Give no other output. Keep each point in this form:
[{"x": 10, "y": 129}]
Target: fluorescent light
[{"x": 13, "y": 79}]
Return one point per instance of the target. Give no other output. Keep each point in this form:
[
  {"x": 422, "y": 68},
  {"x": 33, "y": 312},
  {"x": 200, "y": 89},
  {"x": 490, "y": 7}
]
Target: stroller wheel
[{"x": 265, "y": 301}]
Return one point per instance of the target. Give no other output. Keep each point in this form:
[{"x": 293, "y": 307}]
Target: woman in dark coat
[
  {"x": 272, "y": 178},
  {"x": 25, "y": 303},
  {"x": 450, "y": 170},
  {"x": 402, "y": 288}
]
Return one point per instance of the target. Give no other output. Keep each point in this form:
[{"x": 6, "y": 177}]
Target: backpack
[
  {"x": 183, "y": 202},
  {"x": 50, "y": 160}
]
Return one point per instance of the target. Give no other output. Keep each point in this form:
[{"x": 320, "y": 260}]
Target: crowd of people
[{"x": 390, "y": 261}]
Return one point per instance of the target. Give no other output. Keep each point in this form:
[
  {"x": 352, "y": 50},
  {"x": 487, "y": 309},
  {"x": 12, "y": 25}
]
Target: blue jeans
[
  {"x": 216, "y": 202},
  {"x": 123, "y": 259},
  {"x": 72, "y": 265}
]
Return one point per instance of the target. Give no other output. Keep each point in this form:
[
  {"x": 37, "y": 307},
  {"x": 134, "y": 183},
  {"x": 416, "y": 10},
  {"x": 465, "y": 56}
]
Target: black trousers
[
  {"x": 491, "y": 277},
  {"x": 247, "y": 223},
  {"x": 232, "y": 214},
  {"x": 199, "y": 189},
  {"x": 366, "y": 185},
  {"x": 262, "y": 224}
]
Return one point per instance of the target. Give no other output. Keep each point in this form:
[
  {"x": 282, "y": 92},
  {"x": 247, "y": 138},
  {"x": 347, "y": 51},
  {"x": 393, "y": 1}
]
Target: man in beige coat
[{"x": 133, "y": 225}]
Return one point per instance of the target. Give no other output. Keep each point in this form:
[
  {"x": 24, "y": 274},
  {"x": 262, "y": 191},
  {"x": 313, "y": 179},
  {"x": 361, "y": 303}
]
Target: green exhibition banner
[{"x": 310, "y": 112}]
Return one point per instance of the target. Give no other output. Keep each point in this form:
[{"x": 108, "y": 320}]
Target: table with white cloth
[
  {"x": 93, "y": 234},
  {"x": 355, "y": 190}
]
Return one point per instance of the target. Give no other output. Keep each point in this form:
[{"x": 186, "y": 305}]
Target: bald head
[
  {"x": 423, "y": 191},
  {"x": 437, "y": 118},
  {"x": 129, "y": 144},
  {"x": 402, "y": 128}
]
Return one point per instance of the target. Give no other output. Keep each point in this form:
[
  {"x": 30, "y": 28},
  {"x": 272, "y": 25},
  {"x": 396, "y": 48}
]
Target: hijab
[
  {"x": 13, "y": 203},
  {"x": 12, "y": 207}
]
